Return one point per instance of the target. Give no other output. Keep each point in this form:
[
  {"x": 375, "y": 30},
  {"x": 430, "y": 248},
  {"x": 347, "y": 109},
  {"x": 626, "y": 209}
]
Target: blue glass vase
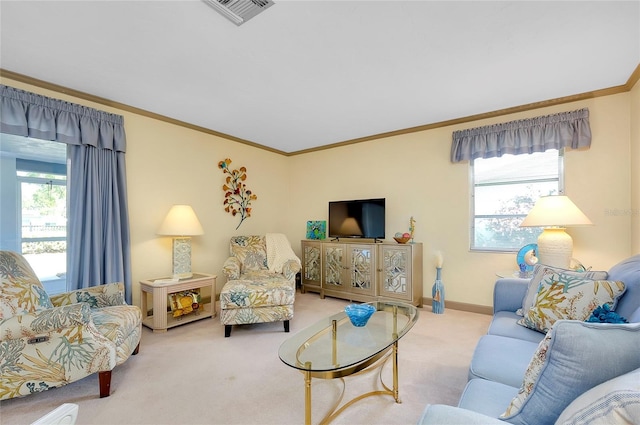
[{"x": 437, "y": 294}]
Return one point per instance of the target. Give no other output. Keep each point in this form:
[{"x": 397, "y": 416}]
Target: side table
[{"x": 161, "y": 320}]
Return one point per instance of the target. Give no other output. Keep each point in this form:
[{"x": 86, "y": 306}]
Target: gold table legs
[{"x": 377, "y": 362}]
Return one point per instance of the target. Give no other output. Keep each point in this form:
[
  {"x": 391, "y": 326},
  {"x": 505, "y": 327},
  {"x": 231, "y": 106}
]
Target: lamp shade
[
  {"x": 555, "y": 210},
  {"x": 181, "y": 221}
]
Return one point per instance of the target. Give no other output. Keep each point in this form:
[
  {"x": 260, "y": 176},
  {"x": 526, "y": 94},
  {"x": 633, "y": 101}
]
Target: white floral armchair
[
  {"x": 260, "y": 284},
  {"x": 47, "y": 342}
]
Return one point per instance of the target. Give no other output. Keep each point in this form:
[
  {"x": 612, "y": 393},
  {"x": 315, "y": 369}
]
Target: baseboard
[{"x": 472, "y": 308}]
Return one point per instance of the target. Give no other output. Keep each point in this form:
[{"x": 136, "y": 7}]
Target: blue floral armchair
[
  {"x": 47, "y": 342},
  {"x": 260, "y": 286}
]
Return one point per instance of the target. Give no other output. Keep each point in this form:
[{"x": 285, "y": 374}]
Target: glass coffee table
[{"x": 334, "y": 348}]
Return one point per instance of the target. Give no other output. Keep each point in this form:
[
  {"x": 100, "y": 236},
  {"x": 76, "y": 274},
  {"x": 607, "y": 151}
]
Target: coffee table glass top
[{"x": 315, "y": 348}]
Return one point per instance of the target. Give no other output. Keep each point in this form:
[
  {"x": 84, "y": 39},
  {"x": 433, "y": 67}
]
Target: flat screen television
[{"x": 361, "y": 218}]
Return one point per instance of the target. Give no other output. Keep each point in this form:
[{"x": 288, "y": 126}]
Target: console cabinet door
[
  {"x": 395, "y": 268},
  {"x": 361, "y": 269},
  {"x": 311, "y": 265},
  {"x": 334, "y": 264}
]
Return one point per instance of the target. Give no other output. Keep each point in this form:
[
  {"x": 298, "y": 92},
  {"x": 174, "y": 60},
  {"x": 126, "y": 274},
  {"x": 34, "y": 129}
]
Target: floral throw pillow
[
  {"x": 20, "y": 290},
  {"x": 540, "y": 271},
  {"x": 530, "y": 376},
  {"x": 565, "y": 296}
]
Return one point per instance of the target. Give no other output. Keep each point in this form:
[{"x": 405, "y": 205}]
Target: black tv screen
[{"x": 362, "y": 218}]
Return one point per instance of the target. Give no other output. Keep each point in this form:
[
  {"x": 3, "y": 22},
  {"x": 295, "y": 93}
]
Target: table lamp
[
  {"x": 555, "y": 213},
  {"x": 181, "y": 222}
]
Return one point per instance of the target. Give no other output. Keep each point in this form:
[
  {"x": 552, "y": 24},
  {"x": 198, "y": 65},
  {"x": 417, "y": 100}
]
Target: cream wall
[
  {"x": 168, "y": 164},
  {"x": 635, "y": 168},
  {"x": 414, "y": 174}
]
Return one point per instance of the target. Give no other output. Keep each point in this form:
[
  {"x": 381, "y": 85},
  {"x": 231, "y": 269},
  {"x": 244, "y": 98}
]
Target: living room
[
  {"x": 412, "y": 171},
  {"x": 171, "y": 163}
]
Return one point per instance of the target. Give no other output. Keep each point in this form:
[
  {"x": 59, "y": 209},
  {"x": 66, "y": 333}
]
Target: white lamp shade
[
  {"x": 181, "y": 221},
  {"x": 555, "y": 210},
  {"x": 554, "y": 213}
]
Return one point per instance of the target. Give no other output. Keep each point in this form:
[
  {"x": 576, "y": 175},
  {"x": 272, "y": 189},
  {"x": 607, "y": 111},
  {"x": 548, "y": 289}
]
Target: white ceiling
[{"x": 306, "y": 74}]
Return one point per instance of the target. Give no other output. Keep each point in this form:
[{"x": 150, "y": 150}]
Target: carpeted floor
[{"x": 193, "y": 375}]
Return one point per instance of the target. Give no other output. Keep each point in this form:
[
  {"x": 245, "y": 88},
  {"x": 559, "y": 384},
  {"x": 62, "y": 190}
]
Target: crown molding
[
  {"x": 631, "y": 82},
  {"x": 124, "y": 107},
  {"x": 633, "y": 79}
]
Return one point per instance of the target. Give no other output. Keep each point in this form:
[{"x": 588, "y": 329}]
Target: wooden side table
[{"x": 161, "y": 320}]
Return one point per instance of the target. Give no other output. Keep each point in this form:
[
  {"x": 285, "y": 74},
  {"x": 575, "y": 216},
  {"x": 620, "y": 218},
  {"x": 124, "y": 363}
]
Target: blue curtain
[
  {"x": 98, "y": 249},
  {"x": 563, "y": 130}
]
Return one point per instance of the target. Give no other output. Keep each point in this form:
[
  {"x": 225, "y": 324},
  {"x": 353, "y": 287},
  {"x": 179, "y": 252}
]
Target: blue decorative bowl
[{"x": 359, "y": 314}]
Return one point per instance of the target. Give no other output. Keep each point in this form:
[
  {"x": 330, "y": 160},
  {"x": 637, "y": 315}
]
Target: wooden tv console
[{"x": 363, "y": 271}]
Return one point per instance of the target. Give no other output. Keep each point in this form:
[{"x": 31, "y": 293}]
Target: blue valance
[
  {"x": 40, "y": 117},
  {"x": 563, "y": 130}
]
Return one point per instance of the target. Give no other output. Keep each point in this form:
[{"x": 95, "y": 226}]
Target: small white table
[{"x": 161, "y": 320}]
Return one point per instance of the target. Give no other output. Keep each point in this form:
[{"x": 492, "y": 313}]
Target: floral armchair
[
  {"x": 260, "y": 286},
  {"x": 47, "y": 342}
]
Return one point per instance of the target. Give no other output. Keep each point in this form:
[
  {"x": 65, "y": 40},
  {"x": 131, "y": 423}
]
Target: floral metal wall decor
[{"x": 237, "y": 197}]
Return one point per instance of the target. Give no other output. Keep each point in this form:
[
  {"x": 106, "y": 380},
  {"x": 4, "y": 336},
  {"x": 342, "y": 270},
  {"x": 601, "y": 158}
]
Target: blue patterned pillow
[
  {"x": 616, "y": 401},
  {"x": 573, "y": 358}
]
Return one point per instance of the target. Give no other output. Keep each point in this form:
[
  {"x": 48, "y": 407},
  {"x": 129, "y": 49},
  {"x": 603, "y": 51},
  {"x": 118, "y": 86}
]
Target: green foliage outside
[{"x": 45, "y": 203}]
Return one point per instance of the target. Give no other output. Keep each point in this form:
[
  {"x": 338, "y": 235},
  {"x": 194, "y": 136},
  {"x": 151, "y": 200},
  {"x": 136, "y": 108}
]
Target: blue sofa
[{"x": 578, "y": 372}]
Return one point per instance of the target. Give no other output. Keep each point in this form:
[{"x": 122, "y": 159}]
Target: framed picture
[{"x": 316, "y": 229}]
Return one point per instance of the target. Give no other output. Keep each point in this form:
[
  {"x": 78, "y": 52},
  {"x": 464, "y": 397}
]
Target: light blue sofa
[{"x": 587, "y": 371}]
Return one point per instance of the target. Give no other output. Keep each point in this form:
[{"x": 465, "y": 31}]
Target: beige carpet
[{"x": 193, "y": 375}]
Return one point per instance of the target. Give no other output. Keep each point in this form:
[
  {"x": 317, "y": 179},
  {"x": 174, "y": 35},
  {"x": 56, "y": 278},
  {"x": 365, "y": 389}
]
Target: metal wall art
[{"x": 237, "y": 197}]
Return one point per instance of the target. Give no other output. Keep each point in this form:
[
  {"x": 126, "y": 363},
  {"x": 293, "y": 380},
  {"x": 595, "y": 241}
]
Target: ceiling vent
[{"x": 239, "y": 11}]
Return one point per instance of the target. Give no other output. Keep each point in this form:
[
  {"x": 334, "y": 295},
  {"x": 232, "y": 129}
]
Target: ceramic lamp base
[
  {"x": 182, "y": 258},
  {"x": 555, "y": 247}
]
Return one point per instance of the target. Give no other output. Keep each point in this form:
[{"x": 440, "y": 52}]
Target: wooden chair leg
[
  {"x": 137, "y": 350},
  {"x": 105, "y": 383},
  {"x": 286, "y": 326},
  {"x": 227, "y": 331}
]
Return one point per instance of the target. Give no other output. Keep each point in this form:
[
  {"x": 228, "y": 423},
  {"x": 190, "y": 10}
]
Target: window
[
  {"x": 34, "y": 206},
  {"x": 503, "y": 190}
]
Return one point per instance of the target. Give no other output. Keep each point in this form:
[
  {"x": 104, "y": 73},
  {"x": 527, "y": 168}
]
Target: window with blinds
[{"x": 503, "y": 190}]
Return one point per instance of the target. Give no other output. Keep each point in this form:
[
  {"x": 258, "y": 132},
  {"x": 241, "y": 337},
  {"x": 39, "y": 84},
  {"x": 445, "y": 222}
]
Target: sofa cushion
[
  {"x": 486, "y": 397},
  {"x": 20, "y": 290},
  {"x": 441, "y": 414},
  {"x": 251, "y": 251},
  {"x": 540, "y": 271},
  {"x": 564, "y": 296},
  {"x": 616, "y": 401},
  {"x": 257, "y": 289},
  {"x": 628, "y": 271},
  {"x": 574, "y": 358},
  {"x": 635, "y": 316},
  {"x": 501, "y": 359},
  {"x": 505, "y": 323}
]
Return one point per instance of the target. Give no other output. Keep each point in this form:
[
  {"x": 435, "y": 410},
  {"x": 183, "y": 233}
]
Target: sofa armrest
[
  {"x": 440, "y": 414},
  {"x": 508, "y": 294},
  {"x": 231, "y": 268},
  {"x": 53, "y": 320},
  {"x": 290, "y": 268},
  {"x": 106, "y": 295}
]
